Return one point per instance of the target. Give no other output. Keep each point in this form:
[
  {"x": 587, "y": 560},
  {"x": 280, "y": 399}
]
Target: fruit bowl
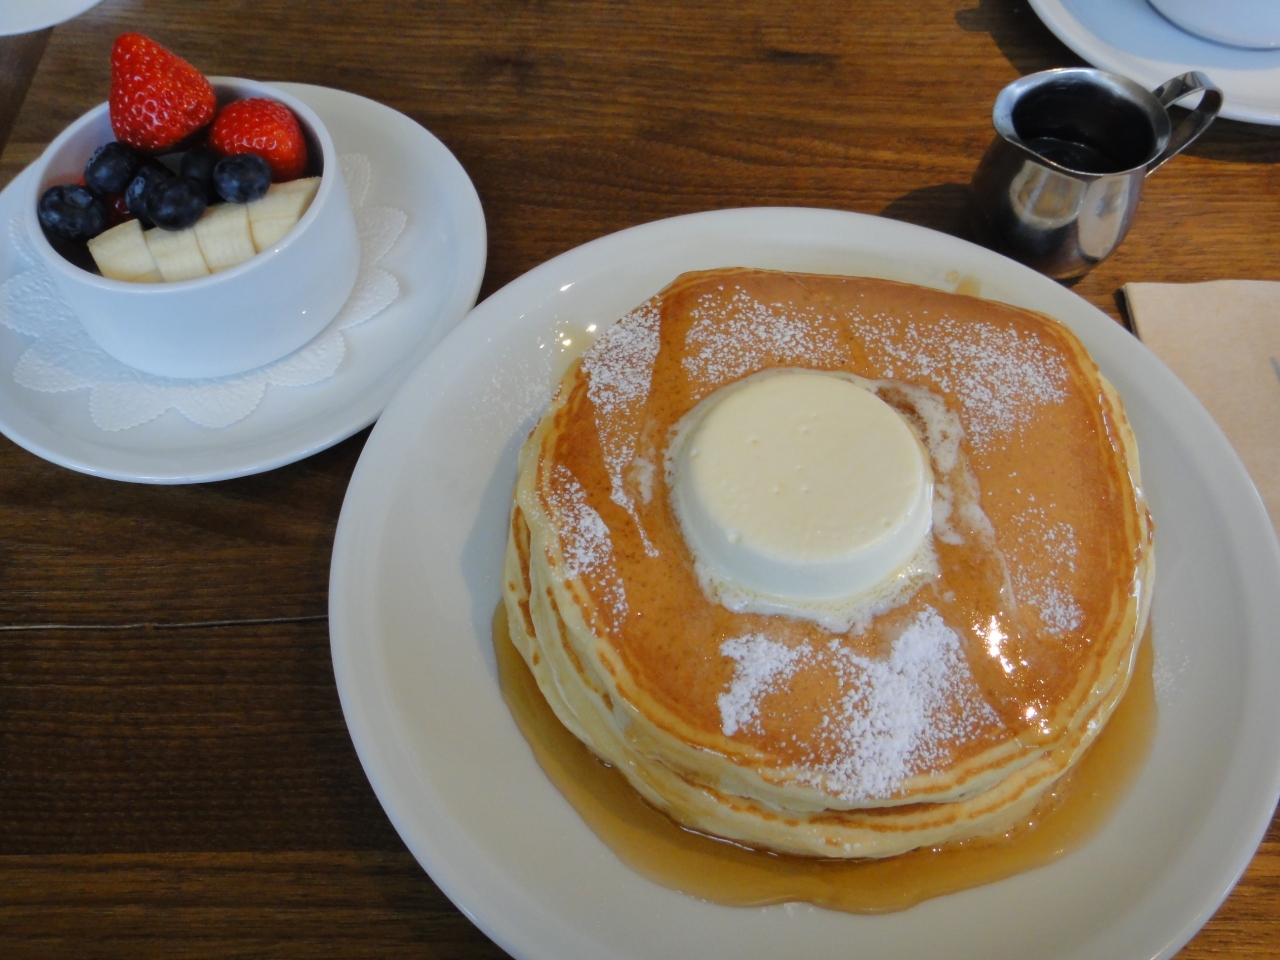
[{"x": 229, "y": 322}]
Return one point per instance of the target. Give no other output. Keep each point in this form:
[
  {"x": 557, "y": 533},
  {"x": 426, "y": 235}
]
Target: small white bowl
[{"x": 249, "y": 315}]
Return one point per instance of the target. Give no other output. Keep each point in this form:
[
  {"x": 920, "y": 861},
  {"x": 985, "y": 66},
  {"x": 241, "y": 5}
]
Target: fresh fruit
[
  {"x": 157, "y": 98},
  {"x": 117, "y": 209},
  {"x": 111, "y": 168},
  {"x": 276, "y": 213},
  {"x": 241, "y": 178},
  {"x": 143, "y": 222},
  {"x": 72, "y": 212},
  {"x": 177, "y": 254},
  {"x": 176, "y": 203},
  {"x": 228, "y": 234},
  {"x": 121, "y": 253},
  {"x": 198, "y": 164},
  {"x": 135, "y": 195},
  {"x": 223, "y": 235},
  {"x": 266, "y": 128}
]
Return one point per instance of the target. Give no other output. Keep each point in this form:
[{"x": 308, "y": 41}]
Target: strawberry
[
  {"x": 266, "y": 128},
  {"x": 157, "y": 98}
]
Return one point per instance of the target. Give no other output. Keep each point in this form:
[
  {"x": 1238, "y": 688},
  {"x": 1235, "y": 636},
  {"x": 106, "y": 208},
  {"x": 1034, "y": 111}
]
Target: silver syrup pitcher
[{"x": 1059, "y": 185}]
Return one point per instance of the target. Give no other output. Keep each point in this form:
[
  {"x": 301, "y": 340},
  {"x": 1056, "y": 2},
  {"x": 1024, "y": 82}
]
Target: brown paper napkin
[{"x": 1222, "y": 339}]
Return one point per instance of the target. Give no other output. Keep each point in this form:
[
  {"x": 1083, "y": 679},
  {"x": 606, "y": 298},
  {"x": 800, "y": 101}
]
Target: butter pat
[{"x": 801, "y": 485}]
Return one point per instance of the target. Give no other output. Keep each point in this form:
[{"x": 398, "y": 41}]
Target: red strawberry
[
  {"x": 157, "y": 98},
  {"x": 266, "y": 128}
]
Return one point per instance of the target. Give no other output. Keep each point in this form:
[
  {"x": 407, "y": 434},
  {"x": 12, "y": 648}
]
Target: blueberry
[
  {"x": 111, "y": 168},
  {"x": 72, "y": 212},
  {"x": 175, "y": 203},
  {"x": 135, "y": 194},
  {"x": 198, "y": 165},
  {"x": 242, "y": 177}
]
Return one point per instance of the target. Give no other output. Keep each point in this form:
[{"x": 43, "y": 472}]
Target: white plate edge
[{"x": 543, "y": 279}]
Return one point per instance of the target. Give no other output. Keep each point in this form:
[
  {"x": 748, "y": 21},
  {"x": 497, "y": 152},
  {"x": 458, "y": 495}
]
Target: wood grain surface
[
  {"x": 176, "y": 779},
  {"x": 19, "y": 56}
]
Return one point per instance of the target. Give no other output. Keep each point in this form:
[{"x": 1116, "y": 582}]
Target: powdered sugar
[
  {"x": 896, "y": 716},
  {"x": 620, "y": 365},
  {"x": 1055, "y": 547},
  {"x": 999, "y": 375},
  {"x": 1058, "y": 609},
  {"x": 619, "y": 372},
  {"x": 759, "y": 665},
  {"x": 739, "y": 335},
  {"x": 895, "y": 719},
  {"x": 585, "y": 543}
]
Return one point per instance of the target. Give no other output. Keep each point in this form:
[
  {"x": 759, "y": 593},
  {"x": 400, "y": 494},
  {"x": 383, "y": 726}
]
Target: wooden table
[{"x": 175, "y": 775}]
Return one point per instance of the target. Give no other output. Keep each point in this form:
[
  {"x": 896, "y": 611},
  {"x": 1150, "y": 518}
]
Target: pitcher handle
[{"x": 1174, "y": 90}]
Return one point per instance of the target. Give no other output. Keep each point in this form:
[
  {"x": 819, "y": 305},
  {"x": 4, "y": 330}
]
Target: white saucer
[
  {"x": 1129, "y": 37},
  {"x": 438, "y": 260},
  {"x": 26, "y": 16},
  {"x": 416, "y": 577}
]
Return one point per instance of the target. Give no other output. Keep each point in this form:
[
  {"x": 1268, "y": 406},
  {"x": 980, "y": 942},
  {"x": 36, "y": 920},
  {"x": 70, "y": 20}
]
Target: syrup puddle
[
  {"x": 569, "y": 342},
  {"x": 967, "y": 285},
  {"x": 656, "y": 848}
]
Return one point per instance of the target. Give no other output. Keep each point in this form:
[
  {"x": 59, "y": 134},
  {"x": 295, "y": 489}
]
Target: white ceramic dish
[
  {"x": 25, "y": 16},
  {"x": 438, "y": 261},
  {"x": 1253, "y": 24},
  {"x": 1130, "y": 37},
  {"x": 229, "y": 322},
  {"x": 415, "y": 581}
]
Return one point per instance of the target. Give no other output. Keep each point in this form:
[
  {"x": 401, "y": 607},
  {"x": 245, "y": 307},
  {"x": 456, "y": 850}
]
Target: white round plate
[
  {"x": 416, "y": 578},
  {"x": 1130, "y": 37},
  {"x": 438, "y": 260},
  {"x": 25, "y": 16}
]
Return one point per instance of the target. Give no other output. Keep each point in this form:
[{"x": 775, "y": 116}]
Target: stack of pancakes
[{"x": 947, "y": 715}]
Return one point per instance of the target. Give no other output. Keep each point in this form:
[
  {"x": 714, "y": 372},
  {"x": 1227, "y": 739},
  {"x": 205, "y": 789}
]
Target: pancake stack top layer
[{"x": 936, "y": 714}]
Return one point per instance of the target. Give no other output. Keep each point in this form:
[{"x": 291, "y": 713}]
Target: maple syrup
[{"x": 726, "y": 873}]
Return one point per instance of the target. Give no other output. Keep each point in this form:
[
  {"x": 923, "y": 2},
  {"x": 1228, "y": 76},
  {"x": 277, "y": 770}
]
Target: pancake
[{"x": 942, "y": 711}]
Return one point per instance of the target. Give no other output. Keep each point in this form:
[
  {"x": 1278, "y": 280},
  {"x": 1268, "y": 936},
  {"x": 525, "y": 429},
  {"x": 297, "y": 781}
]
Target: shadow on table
[
  {"x": 1235, "y": 142},
  {"x": 942, "y": 207},
  {"x": 1018, "y": 33},
  {"x": 939, "y": 207}
]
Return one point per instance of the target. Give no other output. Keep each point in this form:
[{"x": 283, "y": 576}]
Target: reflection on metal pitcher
[{"x": 1059, "y": 185}]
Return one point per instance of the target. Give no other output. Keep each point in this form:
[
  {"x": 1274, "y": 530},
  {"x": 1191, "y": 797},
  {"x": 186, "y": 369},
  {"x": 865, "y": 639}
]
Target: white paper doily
[{"x": 63, "y": 357}]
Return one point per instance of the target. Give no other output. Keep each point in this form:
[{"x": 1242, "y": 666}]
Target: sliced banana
[
  {"x": 223, "y": 235},
  {"x": 177, "y": 253},
  {"x": 227, "y": 234},
  {"x": 121, "y": 253},
  {"x": 274, "y": 215}
]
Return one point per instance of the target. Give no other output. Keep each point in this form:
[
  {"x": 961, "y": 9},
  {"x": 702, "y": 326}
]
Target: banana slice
[
  {"x": 223, "y": 236},
  {"x": 227, "y": 234},
  {"x": 272, "y": 216},
  {"x": 121, "y": 253},
  {"x": 177, "y": 253}
]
